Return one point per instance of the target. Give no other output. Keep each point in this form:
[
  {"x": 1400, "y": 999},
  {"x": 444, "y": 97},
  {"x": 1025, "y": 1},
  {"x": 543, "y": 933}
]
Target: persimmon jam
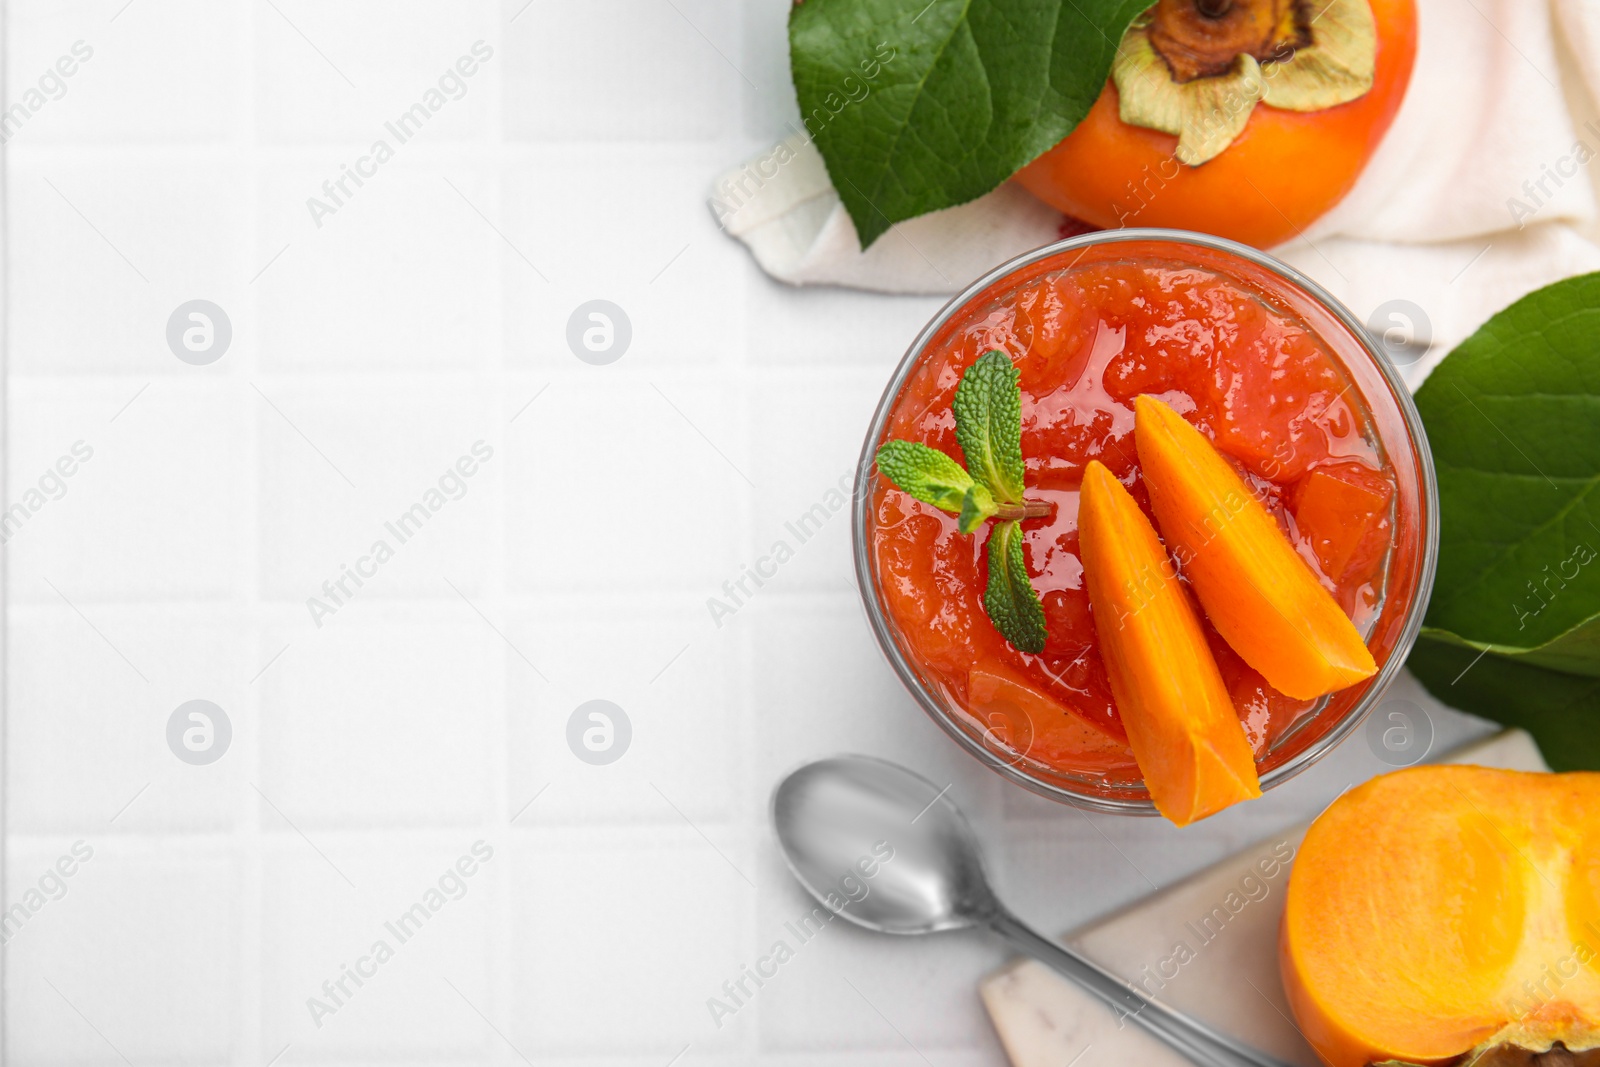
[{"x": 1244, "y": 368}]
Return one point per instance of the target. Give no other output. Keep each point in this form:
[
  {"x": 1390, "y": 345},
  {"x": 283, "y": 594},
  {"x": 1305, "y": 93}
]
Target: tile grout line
[
  {"x": 740, "y": 383},
  {"x": 493, "y": 371},
  {"x": 5, "y": 566},
  {"x": 250, "y": 842}
]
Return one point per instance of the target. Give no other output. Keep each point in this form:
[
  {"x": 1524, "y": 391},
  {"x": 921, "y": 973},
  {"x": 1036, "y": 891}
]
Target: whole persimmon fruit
[{"x": 1247, "y": 119}]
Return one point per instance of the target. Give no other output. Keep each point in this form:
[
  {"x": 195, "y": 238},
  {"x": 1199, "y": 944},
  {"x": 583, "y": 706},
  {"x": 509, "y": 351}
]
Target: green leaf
[
  {"x": 975, "y": 508},
  {"x": 1012, "y": 604},
  {"x": 918, "y": 105},
  {"x": 1561, "y": 711},
  {"x": 925, "y": 473},
  {"x": 1513, "y": 420},
  {"x": 988, "y": 410}
]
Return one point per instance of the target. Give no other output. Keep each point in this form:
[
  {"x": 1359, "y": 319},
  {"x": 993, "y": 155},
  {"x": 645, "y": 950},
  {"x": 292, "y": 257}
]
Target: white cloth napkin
[{"x": 1480, "y": 192}]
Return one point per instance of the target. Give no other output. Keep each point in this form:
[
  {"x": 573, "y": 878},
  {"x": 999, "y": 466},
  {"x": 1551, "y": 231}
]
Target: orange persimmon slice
[
  {"x": 1260, "y": 595},
  {"x": 1185, "y": 735}
]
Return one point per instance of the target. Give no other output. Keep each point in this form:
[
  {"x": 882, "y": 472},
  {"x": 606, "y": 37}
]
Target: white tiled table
[{"x": 428, "y": 313}]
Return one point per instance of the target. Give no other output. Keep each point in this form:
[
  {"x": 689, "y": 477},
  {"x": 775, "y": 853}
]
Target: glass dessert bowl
[{"x": 1283, "y": 383}]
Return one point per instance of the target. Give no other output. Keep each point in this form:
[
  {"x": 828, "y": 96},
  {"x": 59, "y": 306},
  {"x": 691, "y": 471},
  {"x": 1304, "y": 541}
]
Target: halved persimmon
[{"x": 1449, "y": 915}]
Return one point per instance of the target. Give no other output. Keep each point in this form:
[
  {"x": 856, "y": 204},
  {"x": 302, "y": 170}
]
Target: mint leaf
[
  {"x": 919, "y": 105},
  {"x": 934, "y": 478},
  {"x": 988, "y": 410},
  {"x": 925, "y": 473},
  {"x": 1012, "y": 604},
  {"x": 1513, "y": 420},
  {"x": 975, "y": 508}
]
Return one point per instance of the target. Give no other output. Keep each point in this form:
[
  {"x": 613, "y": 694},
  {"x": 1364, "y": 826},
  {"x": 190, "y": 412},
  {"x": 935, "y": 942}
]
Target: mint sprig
[{"x": 988, "y": 413}]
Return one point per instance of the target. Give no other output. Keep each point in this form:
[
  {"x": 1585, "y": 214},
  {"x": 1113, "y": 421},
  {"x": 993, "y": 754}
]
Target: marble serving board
[{"x": 1207, "y": 945}]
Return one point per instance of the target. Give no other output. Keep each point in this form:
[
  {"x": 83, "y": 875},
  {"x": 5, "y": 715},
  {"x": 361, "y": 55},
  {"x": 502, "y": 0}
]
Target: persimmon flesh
[
  {"x": 1280, "y": 174},
  {"x": 1255, "y": 587},
  {"x": 1176, "y": 707},
  {"x": 1449, "y": 915}
]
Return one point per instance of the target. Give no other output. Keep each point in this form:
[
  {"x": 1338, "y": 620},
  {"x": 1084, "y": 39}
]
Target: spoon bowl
[
  {"x": 887, "y": 850},
  {"x": 883, "y": 841}
]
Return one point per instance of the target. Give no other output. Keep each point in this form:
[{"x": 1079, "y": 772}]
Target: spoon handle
[{"x": 1193, "y": 1039}]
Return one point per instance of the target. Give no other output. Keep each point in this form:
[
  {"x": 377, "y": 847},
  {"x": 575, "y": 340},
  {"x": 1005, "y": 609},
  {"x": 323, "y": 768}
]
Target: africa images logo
[
  {"x": 452, "y": 485},
  {"x": 451, "y": 885},
  {"x": 452, "y": 85},
  {"x": 853, "y": 886}
]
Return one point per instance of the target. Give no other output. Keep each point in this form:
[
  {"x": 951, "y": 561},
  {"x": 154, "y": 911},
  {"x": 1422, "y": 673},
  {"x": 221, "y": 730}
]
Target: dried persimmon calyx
[{"x": 1198, "y": 68}]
